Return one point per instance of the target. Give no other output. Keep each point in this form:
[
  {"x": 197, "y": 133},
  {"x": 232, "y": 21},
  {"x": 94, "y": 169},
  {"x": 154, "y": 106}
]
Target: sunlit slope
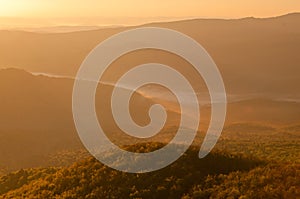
[{"x": 219, "y": 175}]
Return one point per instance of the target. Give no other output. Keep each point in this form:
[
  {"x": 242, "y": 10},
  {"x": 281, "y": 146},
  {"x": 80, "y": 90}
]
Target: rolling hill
[
  {"x": 255, "y": 56},
  {"x": 36, "y": 117}
]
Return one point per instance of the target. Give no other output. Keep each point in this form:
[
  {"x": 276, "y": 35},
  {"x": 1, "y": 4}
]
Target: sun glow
[{"x": 135, "y": 11}]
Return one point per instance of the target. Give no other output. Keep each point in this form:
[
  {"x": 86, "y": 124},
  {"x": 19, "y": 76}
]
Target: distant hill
[
  {"x": 255, "y": 56},
  {"x": 36, "y": 117}
]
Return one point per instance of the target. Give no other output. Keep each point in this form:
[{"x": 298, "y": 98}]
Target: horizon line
[{"x": 158, "y": 19}]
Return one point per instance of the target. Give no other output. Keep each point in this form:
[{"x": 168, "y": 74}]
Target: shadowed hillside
[{"x": 36, "y": 118}]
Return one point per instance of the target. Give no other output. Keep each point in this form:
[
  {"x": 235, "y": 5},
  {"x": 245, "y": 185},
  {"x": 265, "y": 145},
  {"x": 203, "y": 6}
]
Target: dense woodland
[{"x": 249, "y": 161}]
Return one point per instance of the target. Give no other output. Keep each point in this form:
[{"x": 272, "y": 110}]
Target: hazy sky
[{"x": 139, "y": 11}]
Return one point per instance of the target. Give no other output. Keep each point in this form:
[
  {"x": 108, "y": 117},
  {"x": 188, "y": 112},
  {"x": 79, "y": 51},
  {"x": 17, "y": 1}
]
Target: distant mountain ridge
[
  {"x": 70, "y": 28},
  {"x": 253, "y": 55}
]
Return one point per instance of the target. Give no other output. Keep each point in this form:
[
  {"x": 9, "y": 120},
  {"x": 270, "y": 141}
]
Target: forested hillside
[{"x": 219, "y": 175}]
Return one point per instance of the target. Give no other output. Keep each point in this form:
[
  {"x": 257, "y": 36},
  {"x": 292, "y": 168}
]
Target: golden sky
[{"x": 141, "y": 10}]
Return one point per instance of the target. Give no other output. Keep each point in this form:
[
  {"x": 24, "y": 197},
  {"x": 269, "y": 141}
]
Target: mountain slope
[
  {"x": 91, "y": 179},
  {"x": 36, "y": 117},
  {"x": 218, "y": 175},
  {"x": 254, "y": 55}
]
